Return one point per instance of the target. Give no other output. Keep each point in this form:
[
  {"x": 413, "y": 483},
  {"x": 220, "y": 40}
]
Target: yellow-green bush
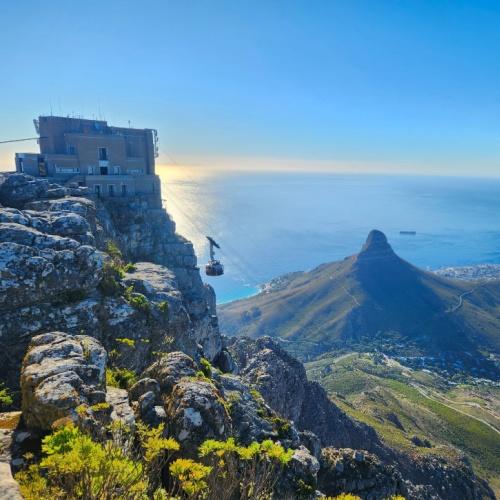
[
  {"x": 5, "y": 397},
  {"x": 73, "y": 466},
  {"x": 190, "y": 477},
  {"x": 131, "y": 467},
  {"x": 120, "y": 377},
  {"x": 206, "y": 367},
  {"x": 245, "y": 471}
]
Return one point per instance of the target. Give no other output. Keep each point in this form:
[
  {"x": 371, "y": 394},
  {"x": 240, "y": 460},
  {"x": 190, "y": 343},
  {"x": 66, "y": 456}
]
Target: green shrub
[
  {"x": 5, "y": 397},
  {"x": 74, "y": 466},
  {"x": 304, "y": 489},
  {"x": 206, "y": 367},
  {"x": 129, "y": 268},
  {"x": 190, "y": 477},
  {"x": 157, "y": 451},
  {"x": 110, "y": 281},
  {"x": 126, "y": 341},
  {"x": 243, "y": 471},
  {"x": 120, "y": 377},
  {"x": 137, "y": 300},
  {"x": 282, "y": 426},
  {"x": 100, "y": 407},
  {"x": 113, "y": 251},
  {"x": 201, "y": 375},
  {"x": 163, "y": 307}
]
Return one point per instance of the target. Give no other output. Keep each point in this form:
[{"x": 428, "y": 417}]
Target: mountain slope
[
  {"x": 414, "y": 410},
  {"x": 374, "y": 295}
]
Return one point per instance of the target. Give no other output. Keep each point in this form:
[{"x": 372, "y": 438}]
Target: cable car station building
[{"x": 110, "y": 161}]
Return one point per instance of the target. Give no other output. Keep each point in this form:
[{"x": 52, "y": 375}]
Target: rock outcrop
[
  {"x": 52, "y": 266},
  {"x": 18, "y": 189},
  {"x": 357, "y": 472},
  {"x": 195, "y": 412},
  {"x": 170, "y": 369},
  {"x": 64, "y": 378},
  {"x": 145, "y": 232},
  {"x": 60, "y": 373},
  {"x": 282, "y": 381},
  {"x": 9, "y": 489}
]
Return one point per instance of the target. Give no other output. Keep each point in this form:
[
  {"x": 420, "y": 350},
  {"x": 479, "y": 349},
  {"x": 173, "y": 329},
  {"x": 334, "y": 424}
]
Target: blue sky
[{"x": 389, "y": 86}]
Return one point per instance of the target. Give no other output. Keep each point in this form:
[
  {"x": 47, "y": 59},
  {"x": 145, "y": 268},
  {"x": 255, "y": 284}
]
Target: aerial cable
[
  {"x": 226, "y": 245},
  {"x": 20, "y": 140},
  {"x": 196, "y": 227},
  {"x": 229, "y": 256},
  {"x": 233, "y": 258}
]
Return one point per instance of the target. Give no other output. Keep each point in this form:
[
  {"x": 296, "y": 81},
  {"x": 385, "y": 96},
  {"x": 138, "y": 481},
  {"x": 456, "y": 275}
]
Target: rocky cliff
[
  {"x": 104, "y": 318},
  {"x": 52, "y": 261}
]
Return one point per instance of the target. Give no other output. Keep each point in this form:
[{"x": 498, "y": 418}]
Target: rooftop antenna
[
  {"x": 50, "y": 104},
  {"x": 129, "y": 124}
]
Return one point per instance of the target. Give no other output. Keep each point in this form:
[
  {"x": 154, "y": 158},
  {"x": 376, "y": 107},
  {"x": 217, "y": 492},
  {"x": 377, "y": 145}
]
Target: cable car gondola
[{"x": 213, "y": 267}]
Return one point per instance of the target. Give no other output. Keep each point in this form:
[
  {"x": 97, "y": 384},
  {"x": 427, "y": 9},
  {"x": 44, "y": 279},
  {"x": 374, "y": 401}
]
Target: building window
[
  {"x": 124, "y": 190},
  {"x": 111, "y": 190},
  {"x": 42, "y": 167},
  {"x": 103, "y": 154},
  {"x": 116, "y": 170},
  {"x": 71, "y": 149},
  {"x": 97, "y": 190},
  {"x": 67, "y": 170},
  {"x": 90, "y": 170}
]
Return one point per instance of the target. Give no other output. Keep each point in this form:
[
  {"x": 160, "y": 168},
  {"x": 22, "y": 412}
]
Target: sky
[{"x": 393, "y": 86}]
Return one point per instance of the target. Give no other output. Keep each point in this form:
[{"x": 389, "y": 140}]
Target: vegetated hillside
[
  {"x": 415, "y": 410},
  {"x": 372, "y": 297}
]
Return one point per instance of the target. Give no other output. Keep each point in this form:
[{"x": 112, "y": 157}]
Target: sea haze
[{"x": 273, "y": 223}]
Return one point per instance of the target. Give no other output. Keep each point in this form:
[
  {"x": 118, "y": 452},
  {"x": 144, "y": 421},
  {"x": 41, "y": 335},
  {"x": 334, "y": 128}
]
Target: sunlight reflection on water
[{"x": 269, "y": 224}]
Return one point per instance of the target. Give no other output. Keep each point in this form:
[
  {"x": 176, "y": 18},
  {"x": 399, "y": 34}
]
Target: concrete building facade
[{"x": 111, "y": 161}]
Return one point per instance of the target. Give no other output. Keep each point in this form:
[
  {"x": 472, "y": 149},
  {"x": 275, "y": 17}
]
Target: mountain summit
[
  {"x": 376, "y": 245},
  {"x": 372, "y": 296}
]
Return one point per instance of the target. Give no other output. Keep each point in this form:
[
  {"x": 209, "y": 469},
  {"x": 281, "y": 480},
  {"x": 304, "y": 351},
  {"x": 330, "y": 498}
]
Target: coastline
[{"x": 475, "y": 272}]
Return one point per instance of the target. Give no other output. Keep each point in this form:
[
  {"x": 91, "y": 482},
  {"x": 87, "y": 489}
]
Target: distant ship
[{"x": 412, "y": 233}]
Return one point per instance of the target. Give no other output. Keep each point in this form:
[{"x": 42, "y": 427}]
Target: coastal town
[{"x": 478, "y": 272}]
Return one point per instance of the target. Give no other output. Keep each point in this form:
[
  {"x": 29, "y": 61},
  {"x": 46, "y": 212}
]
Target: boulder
[
  {"x": 36, "y": 269},
  {"x": 143, "y": 386},
  {"x": 170, "y": 369},
  {"x": 311, "y": 442},
  {"x": 195, "y": 412},
  {"x": 357, "y": 472},
  {"x": 9, "y": 489},
  {"x": 299, "y": 478},
  {"x": 247, "y": 414},
  {"x": 120, "y": 407},
  {"x": 17, "y": 189},
  {"x": 60, "y": 372}
]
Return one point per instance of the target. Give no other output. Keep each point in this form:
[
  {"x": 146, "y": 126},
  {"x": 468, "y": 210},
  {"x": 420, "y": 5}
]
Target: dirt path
[
  {"x": 351, "y": 295},
  {"x": 460, "y": 301},
  {"x": 426, "y": 395}
]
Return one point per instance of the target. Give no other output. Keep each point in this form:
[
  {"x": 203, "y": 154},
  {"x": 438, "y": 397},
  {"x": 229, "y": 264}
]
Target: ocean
[{"x": 268, "y": 224}]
